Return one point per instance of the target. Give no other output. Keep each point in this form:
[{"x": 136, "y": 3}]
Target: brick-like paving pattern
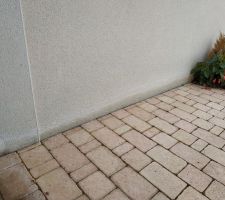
[{"x": 170, "y": 146}]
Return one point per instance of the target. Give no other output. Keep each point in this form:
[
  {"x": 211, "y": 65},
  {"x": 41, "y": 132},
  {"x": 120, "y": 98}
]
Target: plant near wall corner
[{"x": 212, "y": 71}]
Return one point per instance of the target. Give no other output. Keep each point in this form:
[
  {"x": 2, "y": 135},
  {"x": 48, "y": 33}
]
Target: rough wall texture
[
  {"x": 17, "y": 116},
  {"x": 89, "y": 57}
]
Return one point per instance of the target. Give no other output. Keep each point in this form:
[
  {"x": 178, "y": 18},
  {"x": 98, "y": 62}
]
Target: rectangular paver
[
  {"x": 186, "y": 126},
  {"x": 69, "y": 157},
  {"x": 216, "y": 171},
  {"x": 108, "y": 137},
  {"x": 136, "y": 123},
  {"x": 163, "y": 125},
  {"x": 167, "y": 182},
  {"x": 215, "y": 154},
  {"x": 209, "y": 137},
  {"x": 139, "y": 140},
  {"x": 184, "y": 137},
  {"x": 195, "y": 178},
  {"x": 183, "y": 115},
  {"x": 216, "y": 191},
  {"x": 167, "y": 159},
  {"x": 97, "y": 185},
  {"x": 123, "y": 148},
  {"x": 106, "y": 160},
  {"x": 133, "y": 184},
  {"x": 190, "y": 155},
  {"x": 136, "y": 159},
  {"x": 191, "y": 194},
  {"x": 164, "y": 140},
  {"x": 58, "y": 185}
]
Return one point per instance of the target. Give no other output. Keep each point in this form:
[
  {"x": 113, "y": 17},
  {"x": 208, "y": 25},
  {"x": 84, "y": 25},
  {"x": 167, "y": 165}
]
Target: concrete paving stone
[
  {"x": 104, "y": 117},
  {"x": 216, "y": 130},
  {"x": 148, "y": 107},
  {"x": 136, "y": 123},
  {"x": 9, "y": 160},
  {"x": 170, "y": 93},
  {"x": 202, "y": 107},
  {"x": 16, "y": 182},
  {"x": 190, "y": 155},
  {"x": 163, "y": 125},
  {"x": 186, "y": 126},
  {"x": 190, "y": 102},
  {"x": 141, "y": 113},
  {"x": 120, "y": 114},
  {"x": 209, "y": 137},
  {"x": 167, "y": 182},
  {"x": 191, "y": 194},
  {"x": 83, "y": 197},
  {"x": 184, "y": 107},
  {"x": 83, "y": 172},
  {"x": 55, "y": 141},
  {"x": 164, "y": 106},
  {"x": 37, "y": 195},
  {"x": 35, "y": 156},
  {"x": 151, "y": 132},
  {"x": 184, "y": 137},
  {"x": 203, "y": 124},
  {"x": 112, "y": 122},
  {"x": 123, "y": 148},
  {"x": 199, "y": 145},
  {"x": 217, "y": 113},
  {"x": 69, "y": 157},
  {"x": 181, "y": 92},
  {"x": 80, "y": 137},
  {"x": 215, "y": 154},
  {"x": 201, "y": 114},
  {"x": 97, "y": 185},
  {"x": 222, "y": 135},
  {"x": 210, "y": 98},
  {"x": 215, "y": 106},
  {"x": 139, "y": 140},
  {"x": 105, "y": 160},
  {"x": 160, "y": 196},
  {"x": 44, "y": 168},
  {"x": 57, "y": 185},
  {"x": 92, "y": 125},
  {"x": 122, "y": 129},
  {"x": 136, "y": 159},
  {"x": 116, "y": 195},
  {"x": 108, "y": 138},
  {"x": 89, "y": 146},
  {"x": 166, "y": 116},
  {"x": 133, "y": 184},
  {"x": 164, "y": 140},
  {"x": 218, "y": 122},
  {"x": 29, "y": 147},
  {"x": 181, "y": 98},
  {"x": 183, "y": 115},
  {"x": 216, "y": 191},
  {"x": 166, "y": 99},
  {"x": 167, "y": 159},
  {"x": 153, "y": 100},
  {"x": 197, "y": 99},
  {"x": 195, "y": 92},
  {"x": 196, "y": 178},
  {"x": 219, "y": 96}
]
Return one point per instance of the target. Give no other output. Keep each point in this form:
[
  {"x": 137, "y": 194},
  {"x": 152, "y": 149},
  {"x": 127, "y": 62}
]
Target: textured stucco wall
[
  {"x": 90, "y": 57},
  {"x": 17, "y": 117}
]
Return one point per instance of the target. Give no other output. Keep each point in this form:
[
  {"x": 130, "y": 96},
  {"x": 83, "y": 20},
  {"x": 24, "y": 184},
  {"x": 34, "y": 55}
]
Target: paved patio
[{"x": 171, "y": 146}]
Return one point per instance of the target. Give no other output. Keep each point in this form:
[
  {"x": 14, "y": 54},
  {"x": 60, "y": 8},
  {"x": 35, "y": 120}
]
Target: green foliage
[{"x": 211, "y": 72}]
